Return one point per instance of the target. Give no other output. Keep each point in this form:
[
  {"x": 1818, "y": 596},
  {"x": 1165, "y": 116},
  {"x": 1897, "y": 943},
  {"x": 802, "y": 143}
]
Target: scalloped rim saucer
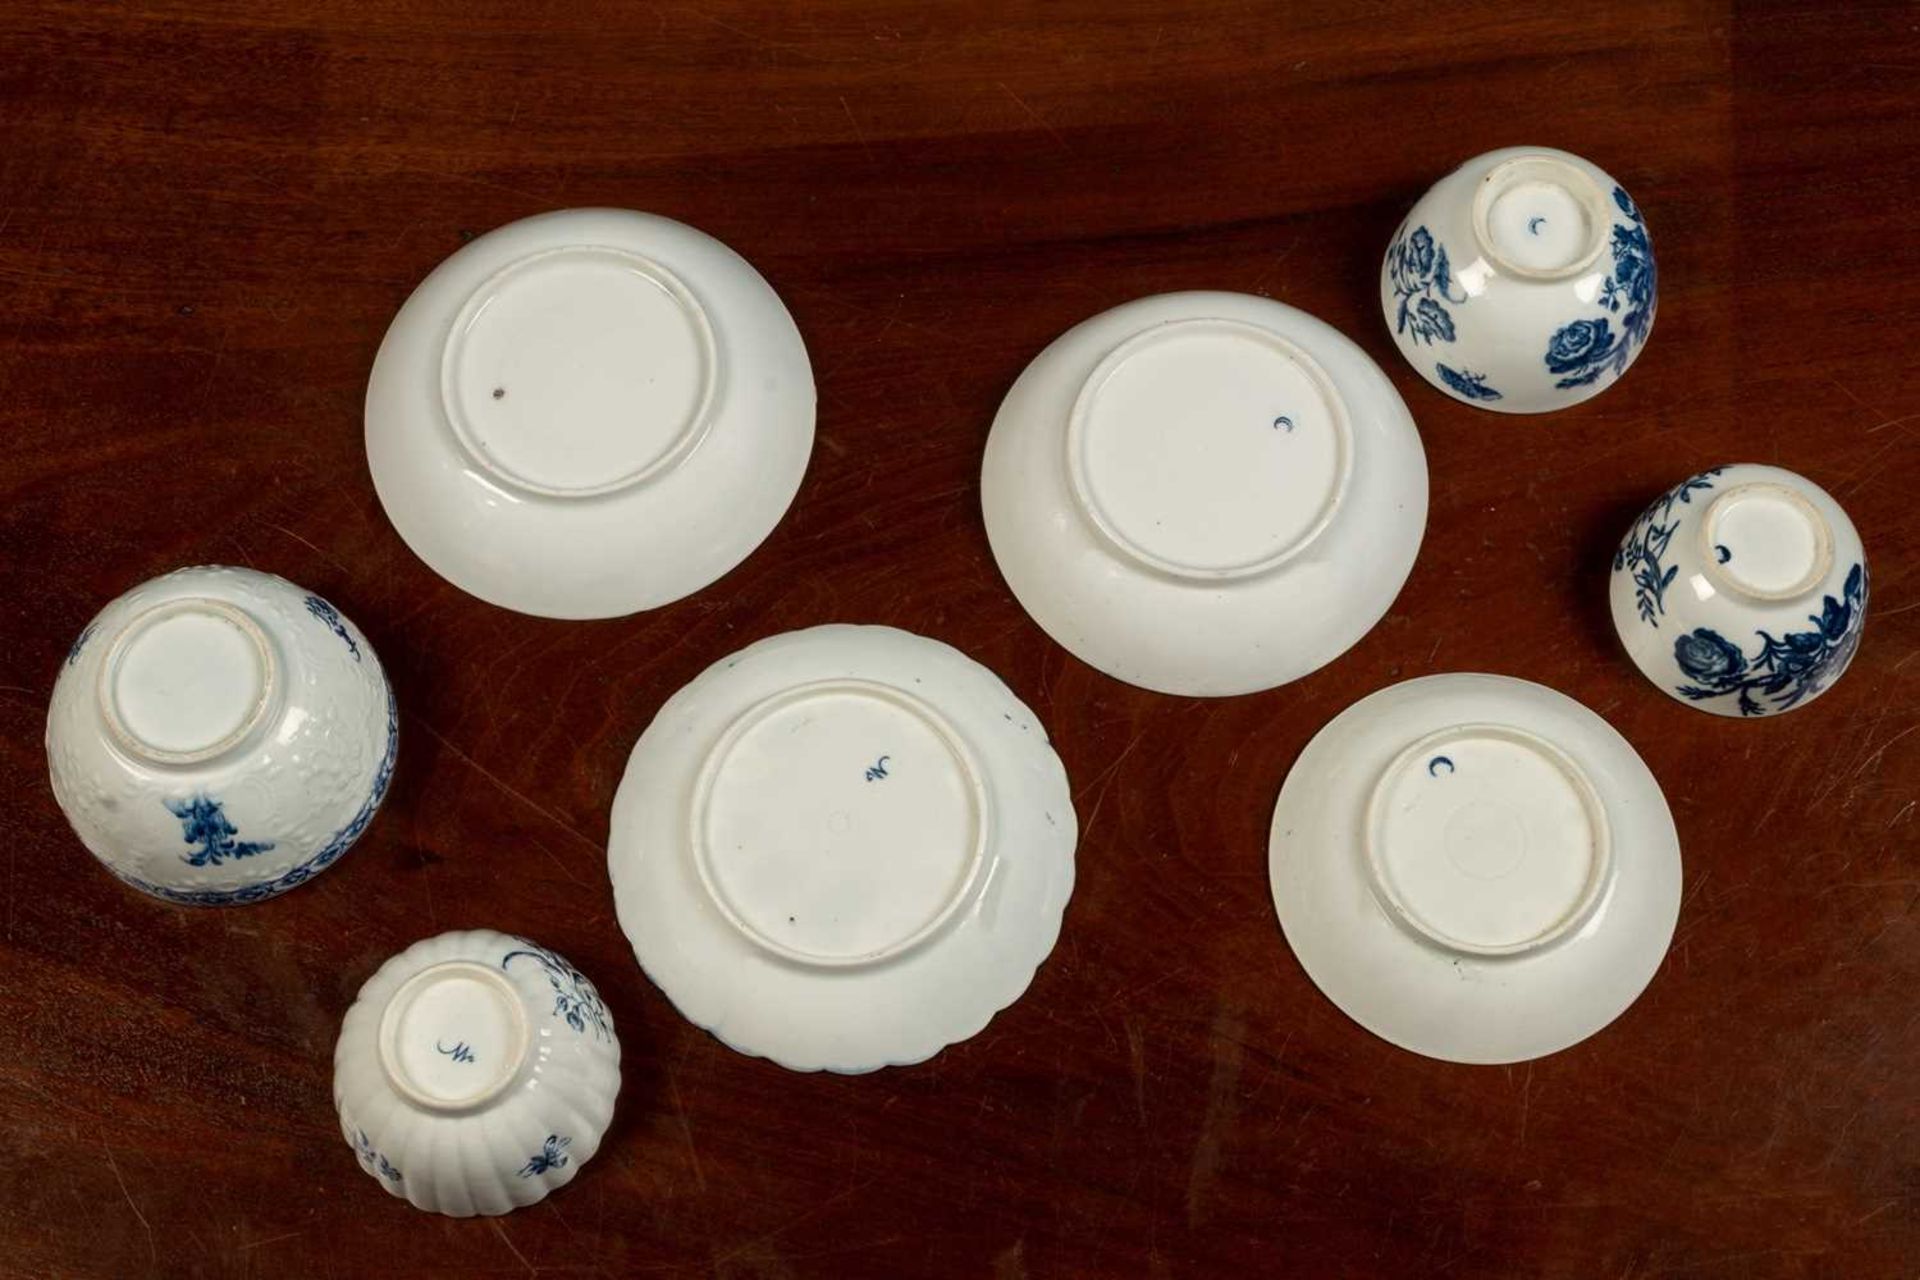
[
  {"x": 588, "y": 413},
  {"x": 1475, "y": 868},
  {"x": 842, "y": 848},
  {"x": 1204, "y": 493}
]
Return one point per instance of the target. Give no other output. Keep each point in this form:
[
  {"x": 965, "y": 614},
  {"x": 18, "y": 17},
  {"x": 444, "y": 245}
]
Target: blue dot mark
[
  {"x": 1721, "y": 551},
  {"x": 1533, "y": 225},
  {"x": 1433, "y": 766}
]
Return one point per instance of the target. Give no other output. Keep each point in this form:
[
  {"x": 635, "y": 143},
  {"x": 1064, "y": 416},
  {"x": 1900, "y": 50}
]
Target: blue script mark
[
  {"x": 1720, "y": 551},
  {"x": 1533, "y": 225},
  {"x": 459, "y": 1053},
  {"x": 1433, "y": 766},
  {"x": 878, "y": 769},
  {"x": 1283, "y": 421},
  {"x": 552, "y": 1155},
  {"x": 207, "y": 828}
]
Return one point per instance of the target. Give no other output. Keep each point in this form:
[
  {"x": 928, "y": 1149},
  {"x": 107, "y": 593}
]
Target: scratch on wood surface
[
  {"x": 484, "y": 772},
  {"x": 502, "y": 1233},
  {"x": 259, "y": 1244},
  {"x": 858, "y": 132},
  {"x": 686, "y": 1128},
  {"x": 1105, "y": 779},
  {"x": 153, "y": 1250},
  {"x": 1229, "y": 1052},
  {"x": 324, "y": 555},
  {"x": 1032, "y": 114}
]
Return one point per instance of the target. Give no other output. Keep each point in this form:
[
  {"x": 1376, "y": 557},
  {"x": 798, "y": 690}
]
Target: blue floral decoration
[
  {"x": 1788, "y": 669},
  {"x": 574, "y": 997},
  {"x": 211, "y": 832},
  {"x": 1422, "y": 279},
  {"x": 1643, "y": 551},
  {"x": 552, "y": 1155},
  {"x": 1470, "y": 386},
  {"x": 1579, "y": 352},
  {"x": 372, "y": 1161},
  {"x": 328, "y": 854},
  {"x": 331, "y": 617}
]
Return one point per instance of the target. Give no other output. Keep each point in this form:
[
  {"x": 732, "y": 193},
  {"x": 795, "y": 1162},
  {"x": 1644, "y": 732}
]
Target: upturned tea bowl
[
  {"x": 217, "y": 736},
  {"x": 1741, "y": 591},
  {"x": 1522, "y": 282}
]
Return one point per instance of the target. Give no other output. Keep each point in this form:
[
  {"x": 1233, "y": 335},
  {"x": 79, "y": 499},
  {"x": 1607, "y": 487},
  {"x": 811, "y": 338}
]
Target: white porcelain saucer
[
  {"x": 1475, "y": 868},
  {"x": 1204, "y": 493},
  {"x": 589, "y": 413},
  {"x": 843, "y": 848}
]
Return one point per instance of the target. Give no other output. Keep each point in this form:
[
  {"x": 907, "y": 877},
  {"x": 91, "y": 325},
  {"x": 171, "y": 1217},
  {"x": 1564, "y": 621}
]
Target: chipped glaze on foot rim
[
  {"x": 869, "y": 856},
  {"x": 1204, "y": 493},
  {"x": 1475, "y": 868},
  {"x": 475, "y": 1073},
  {"x": 218, "y": 736},
  {"x": 1742, "y": 591},
  {"x": 589, "y": 413}
]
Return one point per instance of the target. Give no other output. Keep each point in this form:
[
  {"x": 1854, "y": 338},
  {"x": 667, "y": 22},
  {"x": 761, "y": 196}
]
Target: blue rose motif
[
  {"x": 1708, "y": 658},
  {"x": 1438, "y": 322},
  {"x": 1579, "y": 344},
  {"x": 1420, "y": 252}
]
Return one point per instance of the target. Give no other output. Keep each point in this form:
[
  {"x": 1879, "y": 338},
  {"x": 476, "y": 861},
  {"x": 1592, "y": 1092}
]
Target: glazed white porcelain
[
  {"x": 1741, "y": 591},
  {"x": 589, "y": 413},
  {"x": 217, "y": 736},
  {"x": 1522, "y": 282},
  {"x": 1475, "y": 868},
  {"x": 475, "y": 1073},
  {"x": 1204, "y": 493},
  {"x": 843, "y": 848}
]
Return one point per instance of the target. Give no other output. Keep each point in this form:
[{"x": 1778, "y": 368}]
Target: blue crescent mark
[
  {"x": 1283, "y": 421},
  {"x": 1433, "y": 766},
  {"x": 1720, "y": 551},
  {"x": 1533, "y": 225}
]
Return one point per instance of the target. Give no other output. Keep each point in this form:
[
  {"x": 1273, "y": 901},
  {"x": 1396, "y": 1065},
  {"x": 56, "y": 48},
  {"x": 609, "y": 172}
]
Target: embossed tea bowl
[
  {"x": 1204, "y": 493},
  {"x": 475, "y": 1073},
  {"x": 1522, "y": 282},
  {"x": 589, "y": 413},
  {"x": 1741, "y": 591},
  {"x": 218, "y": 736},
  {"x": 842, "y": 848}
]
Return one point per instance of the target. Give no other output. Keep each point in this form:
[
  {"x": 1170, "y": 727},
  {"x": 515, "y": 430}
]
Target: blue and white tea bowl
[
  {"x": 475, "y": 1073},
  {"x": 218, "y": 736},
  {"x": 1522, "y": 282},
  {"x": 1741, "y": 591}
]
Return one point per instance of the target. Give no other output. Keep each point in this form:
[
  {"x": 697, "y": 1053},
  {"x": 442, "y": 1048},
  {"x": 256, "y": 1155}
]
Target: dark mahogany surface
[{"x": 207, "y": 217}]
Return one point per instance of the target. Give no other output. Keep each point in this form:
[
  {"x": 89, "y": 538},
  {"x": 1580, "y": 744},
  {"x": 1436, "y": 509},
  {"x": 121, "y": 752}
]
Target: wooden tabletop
[{"x": 207, "y": 219}]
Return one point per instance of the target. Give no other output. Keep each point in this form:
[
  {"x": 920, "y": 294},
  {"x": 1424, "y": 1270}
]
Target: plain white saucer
[
  {"x": 1204, "y": 493},
  {"x": 1475, "y": 868},
  {"x": 589, "y": 413},
  {"x": 843, "y": 848}
]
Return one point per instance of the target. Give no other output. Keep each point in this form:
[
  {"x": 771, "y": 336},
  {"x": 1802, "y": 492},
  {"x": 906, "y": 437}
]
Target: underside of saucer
[
  {"x": 871, "y": 856},
  {"x": 1475, "y": 868},
  {"x": 589, "y": 413}
]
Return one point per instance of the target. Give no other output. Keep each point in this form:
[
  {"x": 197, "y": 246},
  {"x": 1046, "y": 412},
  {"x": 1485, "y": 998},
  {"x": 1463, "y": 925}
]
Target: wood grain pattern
[{"x": 207, "y": 217}]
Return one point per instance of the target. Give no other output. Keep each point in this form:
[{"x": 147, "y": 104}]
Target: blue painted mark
[
  {"x": 1533, "y": 225},
  {"x": 1721, "y": 552},
  {"x": 1283, "y": 421},
  {"x": 459, "y": 1053},
  {"x": 1433, "y": 766},
  {"x": 878, "y": 769}
]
